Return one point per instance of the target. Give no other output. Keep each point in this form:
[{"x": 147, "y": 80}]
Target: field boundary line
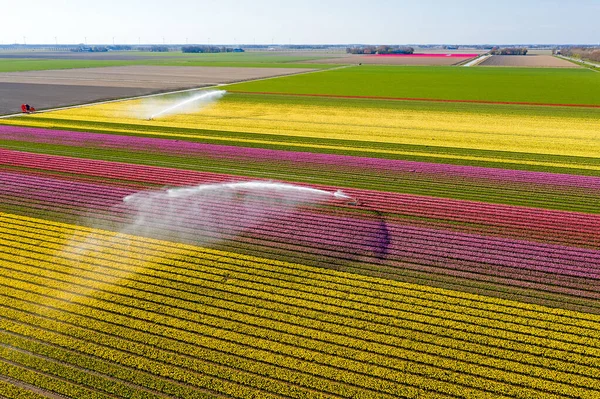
[{"x": 417, "y": 99}]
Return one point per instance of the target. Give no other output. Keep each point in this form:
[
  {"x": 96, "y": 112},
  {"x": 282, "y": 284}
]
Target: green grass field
[
  {"x": 251, "y": 60},
  {"x": 537, "y": 85}
]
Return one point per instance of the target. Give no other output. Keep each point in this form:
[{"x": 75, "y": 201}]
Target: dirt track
[
  {"x": 539, "y": 61},
  {"x": 57, "y": 88}
]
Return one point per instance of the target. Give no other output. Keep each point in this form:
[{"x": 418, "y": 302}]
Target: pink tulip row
[
  {"x": 335, "y": 235},
  {"x": 252, "y": 155},
  {"x": 301, "y": 252},
  {"x": 564, "y": 225},
  {"x": 580, "y": 226},
  {"x": 574, "y": 228}
]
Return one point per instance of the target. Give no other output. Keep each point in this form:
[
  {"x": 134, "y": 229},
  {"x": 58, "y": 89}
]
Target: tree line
[
  {"x": 210, "y": 49},
  {"x": 380, "y": 50},
  {"x": 587, "y": 53},
  {"x": 509, "y": 51}
]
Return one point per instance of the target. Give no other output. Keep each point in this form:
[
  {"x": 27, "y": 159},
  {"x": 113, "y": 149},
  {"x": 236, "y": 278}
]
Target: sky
[{"x": 300, "y": 21}]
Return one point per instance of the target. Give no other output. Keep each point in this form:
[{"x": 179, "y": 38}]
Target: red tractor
[{"x": 27, "y": 109}]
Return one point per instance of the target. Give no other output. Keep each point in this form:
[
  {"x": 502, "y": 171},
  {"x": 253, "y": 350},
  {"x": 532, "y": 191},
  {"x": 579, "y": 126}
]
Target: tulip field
[{"x": 283, "y": 246}]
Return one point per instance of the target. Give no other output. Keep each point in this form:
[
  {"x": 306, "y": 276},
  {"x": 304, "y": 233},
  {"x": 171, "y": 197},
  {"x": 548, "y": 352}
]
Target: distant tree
[
  {"x": 381, "y": 49},
  {"x": 509, "y": 51},
  {"x": 585, "y": 53},
  {"x": 159, "y": 49},
  {"x": 119, "y": 47},
  {"x": 208, "y": 49},
  {"x": 403, "y": 50}
]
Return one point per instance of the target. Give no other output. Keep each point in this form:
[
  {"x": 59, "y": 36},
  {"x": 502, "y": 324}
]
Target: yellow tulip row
[
  {"x": 91, "y": 381},
  {"x": 151, "y": 382},
  {"x": 138, "y": 288},
  {"x": 12, "y": 391},
  {"x": 203, "y": 362},
  {"x": 47, "y": 382}
]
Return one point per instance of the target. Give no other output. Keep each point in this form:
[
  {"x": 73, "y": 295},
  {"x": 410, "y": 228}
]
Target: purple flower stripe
[
  {"x": 405, "y": 243},
  {"x": 117, "y": 194}
]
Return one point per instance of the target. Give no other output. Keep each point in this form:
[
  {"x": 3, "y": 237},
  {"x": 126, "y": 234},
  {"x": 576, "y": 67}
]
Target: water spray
[
  {"x": 205, "y": 97},
  {"x": 301, "y": 192},
  {"x": 209, "y": 213}
]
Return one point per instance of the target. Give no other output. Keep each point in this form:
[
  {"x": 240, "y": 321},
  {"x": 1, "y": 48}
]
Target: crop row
[
  {"x": 119, "y": 244},
  {"x": 407, "y": 205},
  {"x": 228, "y": 342},
  {"x": 418, "y": 178},
  {"x": 244, "y": 154},
  {"x": 145, "y": 384},
  {"x": 303, "y": 252},
  {"x": 85, "y": 239},
  {"x": 64, "y": 388},
  {"x": 68, "y": 373},
  {"x": 334, "y": 233},
  {"x": 220, "y": 334},
  {"x": 10, "y": 390}
]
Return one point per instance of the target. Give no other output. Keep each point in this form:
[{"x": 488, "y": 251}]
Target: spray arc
[
  {"x": 210, "y": 213},
  {"x": 203, "y": 98}
]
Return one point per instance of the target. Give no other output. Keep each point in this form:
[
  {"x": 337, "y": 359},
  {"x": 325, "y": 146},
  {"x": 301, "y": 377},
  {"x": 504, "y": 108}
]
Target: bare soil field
[
  {"x": 539, "y": 52},
  {"x": 43, "y": 96},
  {"x": 375, "y": 60},
  {"x": 539, "y": 61},
  {"x": 147, "y": 77},
  {"x": 57, "y": 88}
]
